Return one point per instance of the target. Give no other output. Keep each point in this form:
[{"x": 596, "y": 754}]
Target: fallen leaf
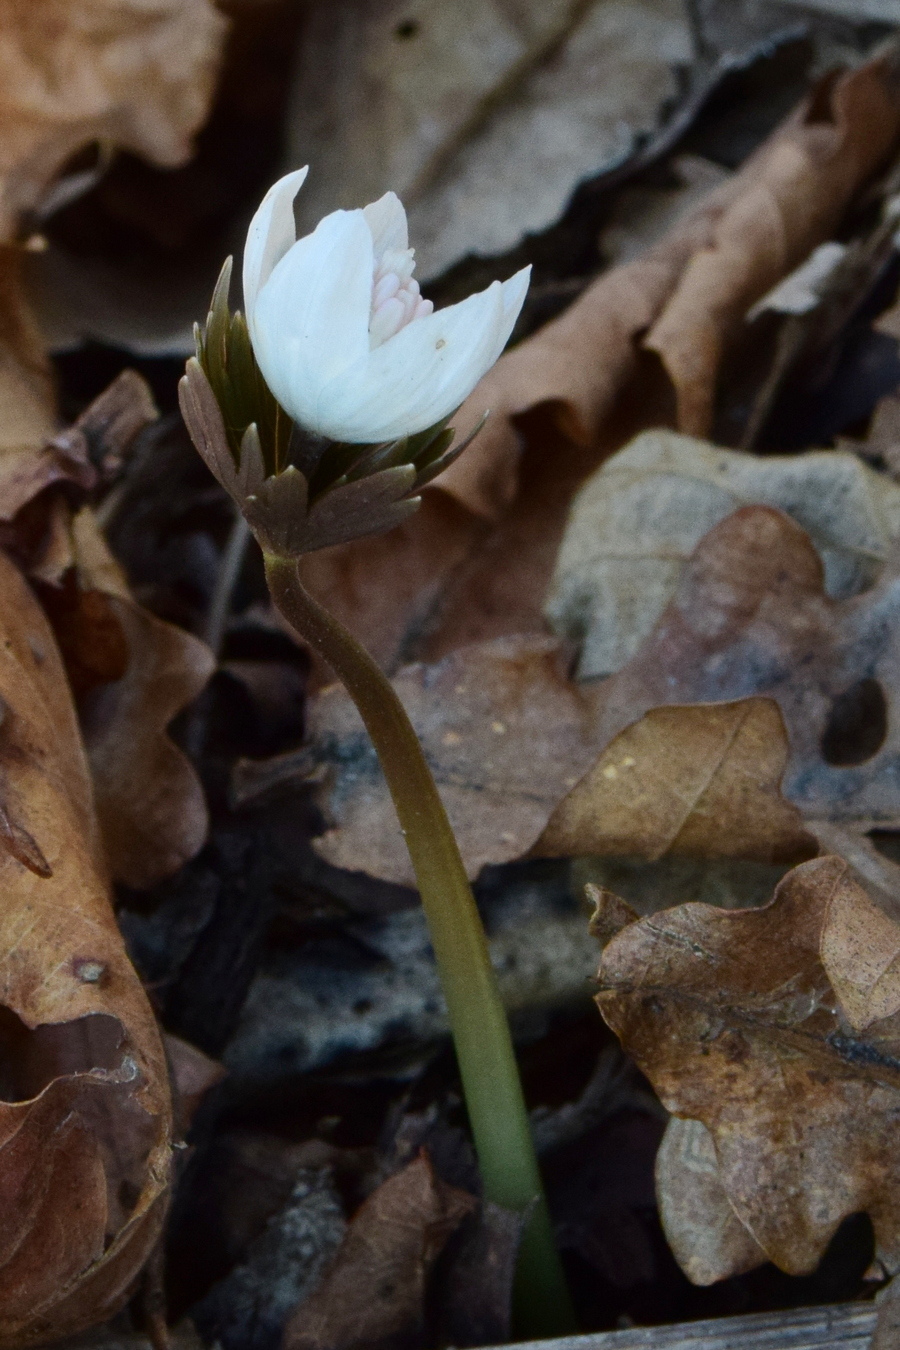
[
  {"x": 86, "y": 1119},
  {"x": 689, "y": 292},
  {"x": 707, "y": 1238},
  {"x": 475, "y": 1286},
  {"x": 702, "y": 782},
  {"x": 732, "y": 1017},
  {"x": 131, "y": 673},
  {"x": 473, "y": 712},
  {"x": 374, "y": 1290},
  {"x": 514, "y": 749},
  {"x": 635, "y": 523},
  {"x": 193, "y": 1074},
  {"x": 149, "y": 800},
  {"x": 482, "y": 118},
  {"x": 751, "y": 617},
  {"x": 115, "y": 73}
]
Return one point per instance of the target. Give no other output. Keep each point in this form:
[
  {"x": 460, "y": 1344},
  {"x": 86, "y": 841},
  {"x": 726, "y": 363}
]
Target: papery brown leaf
[
  {"x": 513, "y": 746},
  {"x": 85, "y": 1116},
  {"x": 116, "y": 72},
  {"x": 701, "y": 782},
  {"x": 506, "y": 736},
  {"x": 193, "y": 1074},
  {"x": 690, "y": 291},
  {"x": 635, "y": 523},
  {"x": 751, "y": 616},
  {"x": 471, "y": 143},
  {"x": 706, "y": 1236},
  {"x": 732, "y": 1017},
  {"x": 149, "y": 800},
  {"x": 372, "y": 1294}
]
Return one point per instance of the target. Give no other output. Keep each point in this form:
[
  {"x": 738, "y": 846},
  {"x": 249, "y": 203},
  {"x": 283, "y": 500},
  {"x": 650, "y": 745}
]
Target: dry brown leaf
[
  {"x": 85, "y": 1117},
  {"x": 691, "y": 289},
  {"x": 513, "y": 746},
  {"x": 707, "y": 1237},
  {"x": 193, "y": 1074},
  {"x": 131, "y": 673},
  {"x": 482, "y": 116},
  {"x": 732, "y": 1017},
  {"x": 149, "y": 800},
  {"x": 506, "y": 736},
  {"x": 635, "y": 523},
  {"x": 751, "y": 616},
  {"x": 701, "y": 782},
  {"x": 373, "y": 1292},
  {"x": 117, "y": 72}
]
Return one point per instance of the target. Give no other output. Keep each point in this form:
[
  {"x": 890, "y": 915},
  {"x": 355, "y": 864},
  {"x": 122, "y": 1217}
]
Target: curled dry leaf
[
  {"x": 85, "y": 1117},
  {"x": 149, "y": 801},
  {"x": 116, "y": 72},
  {"x": 702, "y": 782},
  {"x": 734, "y": 1019},
  {"x": 373, "y": 1293},
  {"x": 131, "y": 672},
  {"x": 690, "y": 292}
]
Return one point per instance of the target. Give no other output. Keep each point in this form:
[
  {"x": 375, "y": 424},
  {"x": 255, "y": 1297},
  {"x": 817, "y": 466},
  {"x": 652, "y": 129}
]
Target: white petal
[
  {"x": 386, "y": 219},
  {"x": 271, "y": 234},
  {"x": 422, "y": 373},
  {"x": 312, "y": 315},
  {"x": 514, "y": 291}
]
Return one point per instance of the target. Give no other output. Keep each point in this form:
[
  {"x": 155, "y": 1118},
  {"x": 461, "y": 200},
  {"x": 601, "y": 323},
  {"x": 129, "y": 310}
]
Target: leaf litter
[{"x": 711, "y": 717}]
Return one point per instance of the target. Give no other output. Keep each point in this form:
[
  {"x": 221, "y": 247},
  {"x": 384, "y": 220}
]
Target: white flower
[{"x": 343, "y": 338}]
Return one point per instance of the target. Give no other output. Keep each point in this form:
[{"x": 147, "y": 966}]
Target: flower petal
[
  {"x": 271, "y": 234},
  {"x": 386, "y": 219},
  {"x": 312, "y": 315},
  {"x": 424, "y": 372}
]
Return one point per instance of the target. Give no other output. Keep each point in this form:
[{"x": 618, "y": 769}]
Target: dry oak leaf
[
  {"x": 701, "y": 782},
  {"x": 706, "y": 1236},
  {"x": 751, "y": 617},
  {"x": 123, "y": 73},
  {"x": 506, "y": 736},
  {"x": 373, "y": 1292},
  {"x": 732, "y": 1017},
  {"x": 514, "y": 748},
  {"x": 690, "y": 292},
  {"x": 635, "y": 523},
  {"x": 85, "y": 1115}
]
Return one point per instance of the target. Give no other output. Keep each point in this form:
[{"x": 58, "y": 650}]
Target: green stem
[{"x": 484, "y": 1049}]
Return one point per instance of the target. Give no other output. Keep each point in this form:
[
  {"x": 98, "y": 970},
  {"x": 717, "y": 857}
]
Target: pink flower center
[{"x": 396, "y": 301}]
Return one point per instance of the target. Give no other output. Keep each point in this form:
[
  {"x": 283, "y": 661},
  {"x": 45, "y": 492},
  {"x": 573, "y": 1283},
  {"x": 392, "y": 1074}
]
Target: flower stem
[{"x": 484, "y": 1049}]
